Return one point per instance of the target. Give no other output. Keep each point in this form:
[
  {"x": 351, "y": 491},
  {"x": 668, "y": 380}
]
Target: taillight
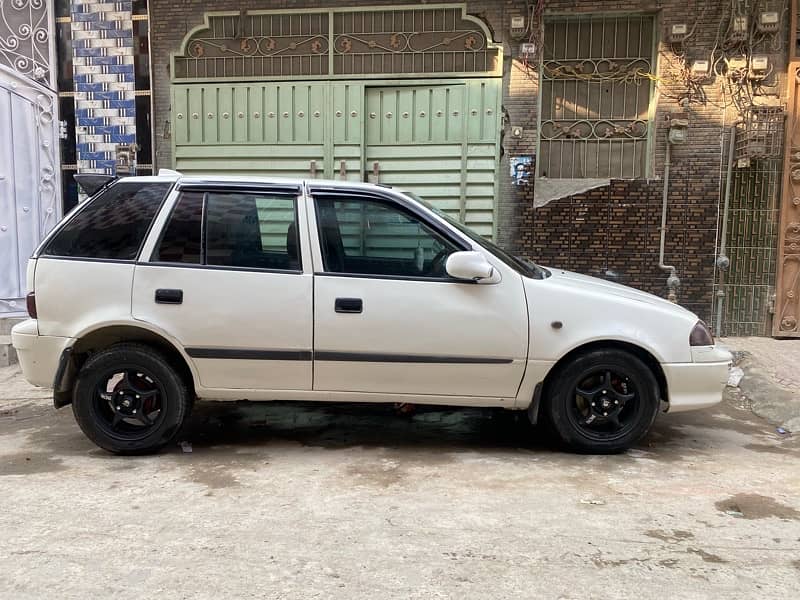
[
  {"x": 30, "y": 301},
  {"x": 701, "y": 335}
]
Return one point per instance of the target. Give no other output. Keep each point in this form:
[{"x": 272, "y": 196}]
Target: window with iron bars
[{"x": 596, "y": 84}]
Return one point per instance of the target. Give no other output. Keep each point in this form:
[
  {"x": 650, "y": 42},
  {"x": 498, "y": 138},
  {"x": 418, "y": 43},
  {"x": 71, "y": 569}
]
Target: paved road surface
[{"x": 309, "y": 501}]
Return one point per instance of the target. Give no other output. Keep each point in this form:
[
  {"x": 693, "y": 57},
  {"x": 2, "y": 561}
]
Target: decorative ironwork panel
[
  {"x": 25, "y": 38},
  {"x": 595, "y": 98},
  {"x": 417, "y": 40},
  {"x": 337, "y": 42},
  {"x": 260, "y": 44},
  {"x": 787, "y": 321}
]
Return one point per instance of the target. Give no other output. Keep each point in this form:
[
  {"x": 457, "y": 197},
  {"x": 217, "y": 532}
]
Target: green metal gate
[
  {"x": 405, "y": 95},
  {"x": 440, "y": 141}
]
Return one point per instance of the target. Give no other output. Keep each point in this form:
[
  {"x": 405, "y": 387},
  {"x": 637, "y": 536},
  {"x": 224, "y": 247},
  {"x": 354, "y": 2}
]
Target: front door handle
[
  {"x": 349, "y": 305},
  {"x": 166, "y": 296}
]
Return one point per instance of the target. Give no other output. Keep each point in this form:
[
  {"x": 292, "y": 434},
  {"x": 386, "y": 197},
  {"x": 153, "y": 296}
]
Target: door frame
[{"x": 45, "y": 203}]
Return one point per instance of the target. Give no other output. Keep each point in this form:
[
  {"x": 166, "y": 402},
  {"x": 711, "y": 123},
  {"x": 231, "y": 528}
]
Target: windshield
[{"x": 524, "y": 267}]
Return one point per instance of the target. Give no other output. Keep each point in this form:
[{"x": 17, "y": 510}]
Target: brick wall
[
  {"x": 102, "y": 41},
  {"x": 612, "y": 229},
  {"x": 613, "y": 232}
]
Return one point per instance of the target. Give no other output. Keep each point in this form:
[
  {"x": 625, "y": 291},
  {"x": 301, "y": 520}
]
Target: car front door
[
  {"x": 227, "y": 279},
  {"x": 389, "y": 320}
]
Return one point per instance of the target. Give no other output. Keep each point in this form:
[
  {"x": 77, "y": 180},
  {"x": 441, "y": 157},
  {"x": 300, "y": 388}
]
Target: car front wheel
[
  {"x": 602, "y": 402},
  {"x": 128, "y": 399}
]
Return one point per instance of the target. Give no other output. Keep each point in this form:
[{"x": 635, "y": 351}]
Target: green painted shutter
[
  {"x": 262, "y": 129},
  {"x": 440, "y": 142}
]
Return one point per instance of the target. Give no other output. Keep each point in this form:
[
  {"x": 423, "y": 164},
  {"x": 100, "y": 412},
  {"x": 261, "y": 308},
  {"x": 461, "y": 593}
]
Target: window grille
[{"x": 596, "y": 83}]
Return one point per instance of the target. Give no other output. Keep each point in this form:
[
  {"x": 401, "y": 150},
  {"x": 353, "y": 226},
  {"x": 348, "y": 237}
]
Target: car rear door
[
  {"x": 389, "y": 320},
  {"x": 229, "y": 279}
]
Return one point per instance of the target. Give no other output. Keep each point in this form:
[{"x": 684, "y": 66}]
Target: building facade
[{"x": 636, "y": 141}]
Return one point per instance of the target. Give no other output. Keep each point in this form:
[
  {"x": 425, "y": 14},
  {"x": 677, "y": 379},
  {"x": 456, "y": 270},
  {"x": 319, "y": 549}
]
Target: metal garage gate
[{"x": 434, "y": 130}]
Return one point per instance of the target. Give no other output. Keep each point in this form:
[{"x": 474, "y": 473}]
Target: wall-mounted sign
[{"x": 521, "y": 169}]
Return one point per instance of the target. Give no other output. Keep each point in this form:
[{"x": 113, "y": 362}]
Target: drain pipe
[
  {"x": 672, "y": 280},
  {"x": 723, "y": 262}
]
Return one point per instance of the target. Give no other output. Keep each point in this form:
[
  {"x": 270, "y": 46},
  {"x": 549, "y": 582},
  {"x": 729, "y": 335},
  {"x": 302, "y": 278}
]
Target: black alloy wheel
[
  {"x": 606, "y": 404},
  {"x": 129, "y": 399},
  {"x": 602, "y": 401},
  {"x": 128, "y": 403}
]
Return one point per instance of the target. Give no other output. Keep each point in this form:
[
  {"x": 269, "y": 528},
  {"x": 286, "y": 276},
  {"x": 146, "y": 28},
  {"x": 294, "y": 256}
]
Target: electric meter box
[
  {"x": 678, "y": 32},
  {"x": 768, "y": 21},
  {"x": 517, "y": 27},
  {"x": 740, "y": 27},
  {"x": 759, "y": 63}
]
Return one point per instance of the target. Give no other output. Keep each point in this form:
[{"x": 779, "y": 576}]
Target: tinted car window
[
  {"x": 375, "y": 238},
  {"x": 251, "y": 230},
  {"x": 180, "y": 242},
  {"x": 112, "y": 225}
]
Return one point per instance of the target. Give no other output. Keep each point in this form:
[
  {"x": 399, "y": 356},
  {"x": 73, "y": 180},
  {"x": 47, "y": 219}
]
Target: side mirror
[{"x": 471, "y": 266}]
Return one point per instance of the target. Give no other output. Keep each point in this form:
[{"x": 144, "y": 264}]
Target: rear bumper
[
  {"x": 698, "y": 384},
  {"x": 38, "y": 355}
]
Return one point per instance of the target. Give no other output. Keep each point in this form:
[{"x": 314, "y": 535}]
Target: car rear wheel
[
  {"x": 128, "y": 399},
  {"x": 602, "y": 402}
]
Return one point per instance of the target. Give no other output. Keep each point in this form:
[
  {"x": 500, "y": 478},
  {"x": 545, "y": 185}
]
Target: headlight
[{"x": 701, "y": 335}]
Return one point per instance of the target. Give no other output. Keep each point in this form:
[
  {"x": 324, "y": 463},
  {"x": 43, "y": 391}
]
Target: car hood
[{"x": 601, "y": 286}]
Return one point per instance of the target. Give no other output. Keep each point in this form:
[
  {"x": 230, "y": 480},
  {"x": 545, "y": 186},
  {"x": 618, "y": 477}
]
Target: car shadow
[
  {"x": 335, "y": 425},
  {"x": 255, "y": 426}
]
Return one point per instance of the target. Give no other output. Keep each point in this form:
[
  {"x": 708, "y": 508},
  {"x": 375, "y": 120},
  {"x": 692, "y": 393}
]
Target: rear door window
[
  {"x": 253, "y": 231},
  {"x": 113, "y": 225},
  {"x": 229, "y": 229}
]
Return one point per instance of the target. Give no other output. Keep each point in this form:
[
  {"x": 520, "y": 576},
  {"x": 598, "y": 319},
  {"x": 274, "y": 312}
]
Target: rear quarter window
[{"x": 112, "y": 225}]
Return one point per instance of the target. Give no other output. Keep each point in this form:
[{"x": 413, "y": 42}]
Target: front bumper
[
  {"x": 698, "y": 384},
  {"x": 38, "y": 355}
]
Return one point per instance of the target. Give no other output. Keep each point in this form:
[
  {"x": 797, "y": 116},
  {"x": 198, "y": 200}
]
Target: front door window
[{"x": 372, "y": 237}]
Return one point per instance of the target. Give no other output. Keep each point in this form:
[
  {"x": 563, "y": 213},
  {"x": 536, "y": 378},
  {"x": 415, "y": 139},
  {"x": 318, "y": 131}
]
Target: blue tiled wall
[{"x": 105, "y": 107}]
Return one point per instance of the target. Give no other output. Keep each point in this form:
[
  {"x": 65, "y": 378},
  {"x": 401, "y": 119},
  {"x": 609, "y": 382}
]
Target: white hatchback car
[{"x": 160, "y": 290}]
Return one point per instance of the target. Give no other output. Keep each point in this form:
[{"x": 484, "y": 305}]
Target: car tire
[
  {"x": 128, "y": 399},
  {"x": 601, "y": 402}
]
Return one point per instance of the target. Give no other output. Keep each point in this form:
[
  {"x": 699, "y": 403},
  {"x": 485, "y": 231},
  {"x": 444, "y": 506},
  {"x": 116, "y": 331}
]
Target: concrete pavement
[
  {"x": 771, "y": 382},
  {"x": 339, "y": 501}
]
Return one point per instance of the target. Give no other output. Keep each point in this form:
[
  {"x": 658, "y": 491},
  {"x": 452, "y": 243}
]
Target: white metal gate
[{"x": 29, "y": 179}]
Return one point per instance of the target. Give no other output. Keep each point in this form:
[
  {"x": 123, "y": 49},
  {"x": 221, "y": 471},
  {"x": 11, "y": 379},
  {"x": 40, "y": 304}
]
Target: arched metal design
[
  {"x": 29, "y": 179},
  {"x": 25, "y": 34},
  {"x": 405, "y": 41}
]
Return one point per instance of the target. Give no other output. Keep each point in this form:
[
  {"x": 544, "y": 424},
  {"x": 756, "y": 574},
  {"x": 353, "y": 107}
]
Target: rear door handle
[
  {"x": 167, "y": 296},
  {"x": 349, "y": 305}
]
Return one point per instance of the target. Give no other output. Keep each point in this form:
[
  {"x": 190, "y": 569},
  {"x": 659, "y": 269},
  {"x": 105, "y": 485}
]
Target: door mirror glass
[{"x": 471, "y": 266}]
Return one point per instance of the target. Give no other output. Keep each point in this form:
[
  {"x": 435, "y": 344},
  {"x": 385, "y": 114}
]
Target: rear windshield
[{"x": 112, "y": 225}]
